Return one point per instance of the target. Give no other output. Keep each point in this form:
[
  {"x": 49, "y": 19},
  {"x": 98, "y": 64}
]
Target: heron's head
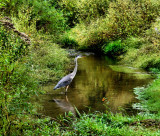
[{"x": 79, "y": 56}]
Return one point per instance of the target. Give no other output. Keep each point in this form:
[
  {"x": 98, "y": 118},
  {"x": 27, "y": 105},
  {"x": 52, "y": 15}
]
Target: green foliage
[
  {"x": 48, "y": 62},
  {"x": 23, "y": 20},
  {"x": 155, "y": 70},
  {"x": 149, "y": 97},
  {"x": 143, "y": 51},
  {"x": 15, "y": 84},
  {"x": 41, "y": 127},
  {"x": 11, "y": 49},
  {"x": 113, "y": 48},
  {"x": 67, "y": 41},
  {"x": 122, "y": 20},
  {"x": 83, "y": 10},
  {"x": 23, "y": 67},
  {"x": 134, "y": 42},
  {"x": 106, "y": 124},
  {"x": 48, "y": 17},
  {"x": 42, "y": 13},
  {"x": 90, "y": 125},
  {"x": 145, "y": 58},
  {"x": 11, "y": 6}
]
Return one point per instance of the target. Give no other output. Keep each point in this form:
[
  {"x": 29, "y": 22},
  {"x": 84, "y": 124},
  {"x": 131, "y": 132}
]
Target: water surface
[{"x": 96, "y": 78}]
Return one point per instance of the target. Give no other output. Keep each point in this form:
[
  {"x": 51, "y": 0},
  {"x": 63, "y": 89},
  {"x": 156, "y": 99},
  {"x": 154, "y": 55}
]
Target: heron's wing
[{"x": 64, "y": 81}]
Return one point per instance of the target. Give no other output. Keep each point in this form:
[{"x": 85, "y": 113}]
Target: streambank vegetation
[{"x": 31, "y": 36}]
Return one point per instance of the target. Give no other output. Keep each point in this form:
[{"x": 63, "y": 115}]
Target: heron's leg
[
  {"x": 66, "y": 89},
  {"x": 67, "y": 98}
]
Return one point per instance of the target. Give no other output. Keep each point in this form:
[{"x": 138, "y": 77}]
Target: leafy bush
[
  {"x": 144, "y": 50},
  {"x": 23, "y": 67},
  {"x": 67, "y": 41},
  {"x": 15, "y": 84},
  {"x": 134, "y": 42},
  {"x": 84, "y": 10},
  {"x": 48, "y": 17},
  {"x": 43, "y": 13},
  {"x": 124, "y": 18},
  {"x": 11, "y": 49},
  {"x": 113, "y": 48}
]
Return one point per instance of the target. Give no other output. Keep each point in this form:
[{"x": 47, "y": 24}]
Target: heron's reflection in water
[{"x": 65, "y": 105}]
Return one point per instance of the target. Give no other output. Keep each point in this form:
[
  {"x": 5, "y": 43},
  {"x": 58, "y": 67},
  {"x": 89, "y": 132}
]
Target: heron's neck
[{"x": 75, "y": 69}]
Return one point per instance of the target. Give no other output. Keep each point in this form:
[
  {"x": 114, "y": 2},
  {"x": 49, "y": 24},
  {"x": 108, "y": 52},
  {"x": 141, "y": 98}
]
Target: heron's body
[{"x": 65, "y": 81}]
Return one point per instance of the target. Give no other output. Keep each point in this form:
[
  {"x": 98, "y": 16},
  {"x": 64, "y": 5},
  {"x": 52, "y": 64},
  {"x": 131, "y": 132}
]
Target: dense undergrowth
[
  {"x": 124, "y": 28},
  {"x": 24, "y": 66}
]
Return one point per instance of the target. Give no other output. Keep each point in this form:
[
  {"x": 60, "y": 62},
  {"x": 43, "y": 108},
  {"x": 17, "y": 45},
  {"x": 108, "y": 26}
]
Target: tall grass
[{"x": 149, "y": 97}]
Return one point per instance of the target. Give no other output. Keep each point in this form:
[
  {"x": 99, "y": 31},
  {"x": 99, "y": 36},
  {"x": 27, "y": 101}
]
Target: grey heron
[{"x": 65, "y": 81}]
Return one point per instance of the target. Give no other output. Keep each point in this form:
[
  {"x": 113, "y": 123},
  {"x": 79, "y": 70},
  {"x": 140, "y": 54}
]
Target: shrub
[
  {"x": 83, "y": 10},
  {"x": 48, "y": 17},
  {"x": 143, "y": 51},
  {"x": 44, "y": 13},
  {"x": 12, "y": 49},
  {"x": 113, "y": 48},
  {"x": 134, "y": 42},
  {"x": 67, "y": 41},
  {"x": 125, "y": 18},
  {"x": 15, "y": 83}
]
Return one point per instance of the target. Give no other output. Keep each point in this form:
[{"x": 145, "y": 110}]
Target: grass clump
[
  {"x": 150, "y": 97},
  {"x": 108, "y": 124},
  {"x": 49, "y": 62}
]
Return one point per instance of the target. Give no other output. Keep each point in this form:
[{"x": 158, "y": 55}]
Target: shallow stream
[{"x": 99, "y": 85}]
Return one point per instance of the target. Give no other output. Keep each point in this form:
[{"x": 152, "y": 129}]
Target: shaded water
[{"x": 96, "y": 78}]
